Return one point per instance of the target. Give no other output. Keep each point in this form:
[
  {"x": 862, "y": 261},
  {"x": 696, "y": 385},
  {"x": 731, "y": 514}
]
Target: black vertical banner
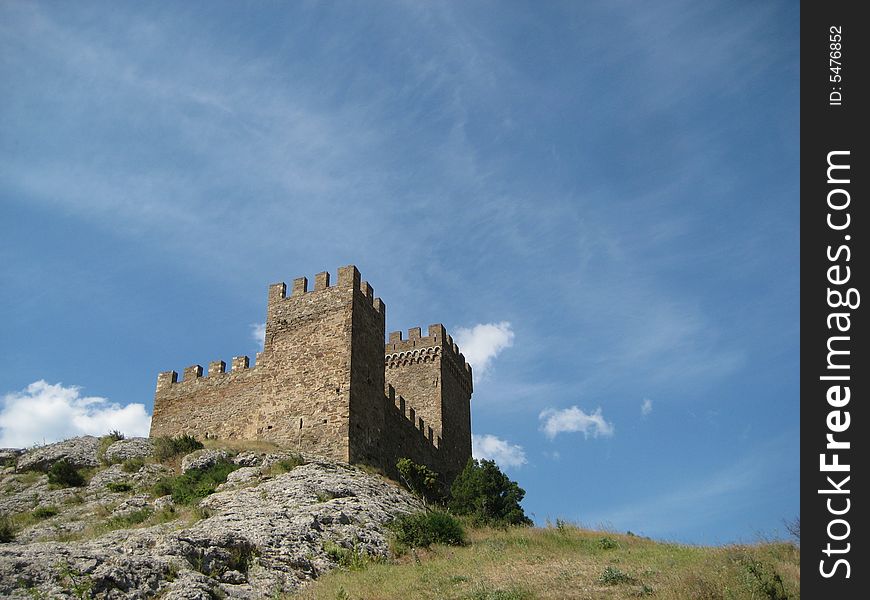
[{"x": 835, "y": 372}]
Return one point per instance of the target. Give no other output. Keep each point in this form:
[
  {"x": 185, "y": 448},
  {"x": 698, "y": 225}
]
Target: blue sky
[{"x": 599, "y": 199}]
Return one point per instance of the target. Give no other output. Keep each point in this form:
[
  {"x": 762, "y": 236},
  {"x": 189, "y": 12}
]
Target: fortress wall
[
  {"x": 410, "y": 436},
  {"x": 456, "y": 400},
  {"x": 430, "y": 372},
  {"x": 214, "y": 406},
  {"x": 319, "y": 384},
  {"x": 306, "y": 388},
  {"x": 413, "y": 369},
  {"x": 368, "y": 434}
]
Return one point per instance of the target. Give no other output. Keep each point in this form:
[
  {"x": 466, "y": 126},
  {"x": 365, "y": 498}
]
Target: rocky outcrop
[
  {"x": 261, "y": 533},
  {"x": 80, "y": 452},
  {"x": 128, "y": 449},
  {"x": 203, "y": 459}
]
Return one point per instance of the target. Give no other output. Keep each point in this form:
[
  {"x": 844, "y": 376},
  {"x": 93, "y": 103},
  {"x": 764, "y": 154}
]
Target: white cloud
[
  {"x": 483, "y": 342},
  {"x": 44, "y": 413},
  {"x": 574, "y": 419},
  {"x": 646, "y": 407},
  {"x": 501, "y": 451},
  {"x": 258, "y": 333}
]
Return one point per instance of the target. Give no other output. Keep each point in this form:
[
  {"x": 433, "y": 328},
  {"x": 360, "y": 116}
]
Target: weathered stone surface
[
  {"x": 203, "y": 459},
  {"x": 263, "y": 534},
  {"x": 248, "y": 459},
  {"x": 127, "y": 449},
  {"x": 145, "y": 476},
  {"x": 80, "y": 452},
  {"x": 9, "y": 456},
  {"x": 320, "y": 384}
]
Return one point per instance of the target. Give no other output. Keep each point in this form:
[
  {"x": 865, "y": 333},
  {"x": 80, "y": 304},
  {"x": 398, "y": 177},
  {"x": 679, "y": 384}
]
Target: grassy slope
[{"x": 568, "y": 562}]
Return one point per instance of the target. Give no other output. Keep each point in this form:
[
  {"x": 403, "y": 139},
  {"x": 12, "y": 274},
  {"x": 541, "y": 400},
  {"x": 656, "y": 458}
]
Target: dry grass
[{"x": 568, "y": 562}]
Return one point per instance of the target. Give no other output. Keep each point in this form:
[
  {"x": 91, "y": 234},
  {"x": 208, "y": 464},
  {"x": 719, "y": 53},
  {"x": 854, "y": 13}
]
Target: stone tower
[
  {"x": 319, "y": 384},
  {"x": 431, "y": 370}
]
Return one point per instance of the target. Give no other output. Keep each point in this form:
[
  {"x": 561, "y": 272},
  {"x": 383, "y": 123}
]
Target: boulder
[
  {"x": 203, "y": 459},
  {"x": 137, "y": 447},
  {"x": 80, "y": 452}
]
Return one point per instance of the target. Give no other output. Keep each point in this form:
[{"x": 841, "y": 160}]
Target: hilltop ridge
[{"x": 274, "y": 524}]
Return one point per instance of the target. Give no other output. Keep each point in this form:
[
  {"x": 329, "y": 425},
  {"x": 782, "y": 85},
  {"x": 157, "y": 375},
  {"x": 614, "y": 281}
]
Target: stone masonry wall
[
  {"x": 213, "y": 406},
  {"x": 320, "y": 384},
  {"x": 431, "y": 373},
  {"x": 368, "y": 433},
  {"x": 410, "y": 437}
]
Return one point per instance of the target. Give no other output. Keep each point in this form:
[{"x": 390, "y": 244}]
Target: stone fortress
[{"x": 326, "y": 383}]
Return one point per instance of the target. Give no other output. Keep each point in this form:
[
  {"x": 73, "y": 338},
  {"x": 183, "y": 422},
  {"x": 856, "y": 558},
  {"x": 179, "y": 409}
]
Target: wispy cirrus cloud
[{"x": 646, "y": 407}]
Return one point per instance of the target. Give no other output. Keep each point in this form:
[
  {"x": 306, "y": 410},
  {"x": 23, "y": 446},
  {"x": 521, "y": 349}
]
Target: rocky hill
[{"x": 272, "y": 526}]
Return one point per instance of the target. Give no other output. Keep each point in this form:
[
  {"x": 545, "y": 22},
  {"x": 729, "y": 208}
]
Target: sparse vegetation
[
  {"x": 287, "y": 464},
  {"x": 124, "y": 521},
  {"x": 64, "y": 474},
  {"x": 420, "y": 479},
  {"x": 132, "y": 465},
  {"x": 421, "y": 530},
  {"x": 527, "y": 562},
  {"x": 118, "y": 486},
  {"x": 614, "y": 576},
  {"x": 167, "y": 448},
  {"x": 44, "y": 512},
  {"x": 487, "y": 496},
  {"x": 794, "y": 528},
  {"x": 196, "y": 484},
  {"x": 607, "y": 543},
  {"x": 7, "y": 530},
  {"x": 353, "y": 558},
  {"x": 325, "y": 496},
  {"x": 106, "y": 441}
]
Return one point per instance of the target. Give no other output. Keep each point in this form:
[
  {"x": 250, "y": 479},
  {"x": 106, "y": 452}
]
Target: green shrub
[
  {"x": 287, "y": 464},
  {"x": 420, "y": 479},
  {"x": 354, "y": 558},
  {"x": 62, "y": 473},
  {"x": 44, "y": 512},
  {"x": 7, "y": 530},
  {"x": 106, "y": 441},
  {"x": 421, "y": 530},
  {"x": 512, "y": 593},
  {"x": 126, "y": 521},
  {"x": 195, "y": 484},
  {"x": 765, "y": 579},
  {"x": 118, "y": 486},
  {"x": 132, "y": 465},
  {"x": 613, "y": 576},
  {"x": 606, "y": 543},
  {"x": 485, "y": 494},
  {"x": 166, "y": 448}
]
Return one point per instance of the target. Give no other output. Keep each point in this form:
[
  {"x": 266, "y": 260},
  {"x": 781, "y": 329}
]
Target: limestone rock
[
  {"x": 202, "y": 459},
  {"x": 80, "y": 452},
  {"x": 127, "y": 449},
  {"x": 248, "y": 459},
  {"x": 261, "y": 534},
  {"x": 9, "y": 456}
]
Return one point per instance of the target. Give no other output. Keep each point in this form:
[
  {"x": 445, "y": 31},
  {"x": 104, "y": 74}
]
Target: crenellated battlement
[
  {"x": 411, "y": 416},
  {"x": 348, "y": 278},
  {"x": 400, "y": 352},
  {"x": 321, "y": 383},
  {"x": 216, "y": 368}
]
